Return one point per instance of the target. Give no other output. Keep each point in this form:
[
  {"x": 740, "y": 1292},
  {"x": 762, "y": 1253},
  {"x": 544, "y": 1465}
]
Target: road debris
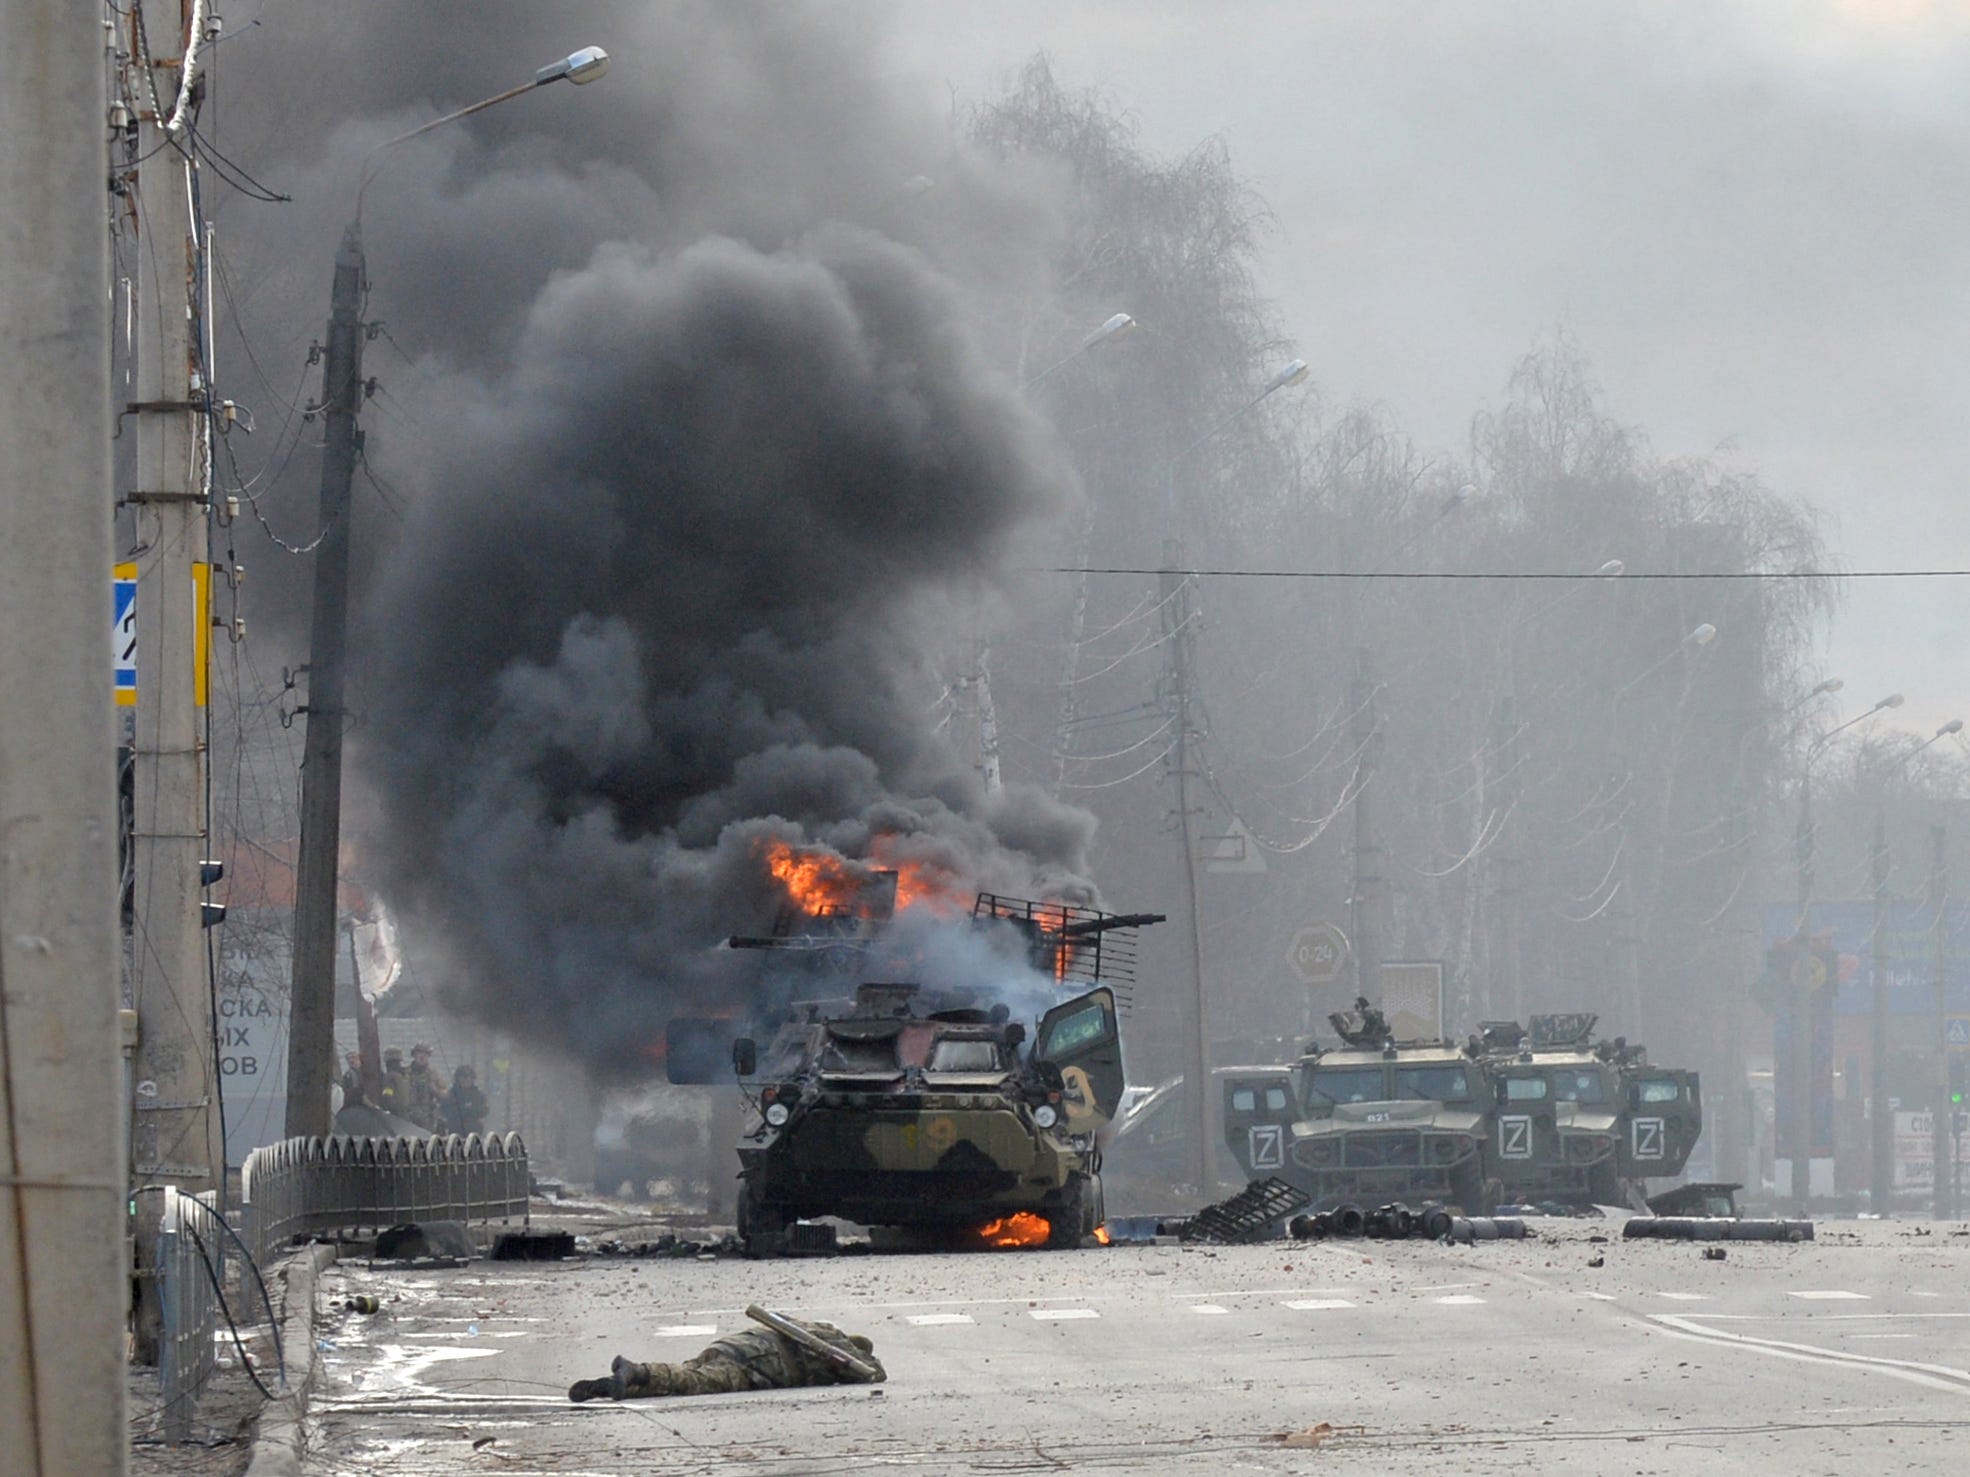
[
  {"x": 533, "y": 1246},
  {"x": 1309, "y": 1436},
  {"x": 1253, "y": 1214},
  {"x": 1714, "y": 1228}
]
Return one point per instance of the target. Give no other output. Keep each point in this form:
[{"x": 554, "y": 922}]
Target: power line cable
[{"x": 1496, "y": 575}]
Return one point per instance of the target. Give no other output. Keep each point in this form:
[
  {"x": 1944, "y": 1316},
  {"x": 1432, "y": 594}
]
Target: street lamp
[
  {"x": 1700, "y": 637},
  {"x": 311, "y": 1020},
  {"x": 1881, "y": 1130},
  {"x": 1800, "y": 1067},
  {"x": 1115, "y": 327},
  {"x": 1292, "y": 372}
]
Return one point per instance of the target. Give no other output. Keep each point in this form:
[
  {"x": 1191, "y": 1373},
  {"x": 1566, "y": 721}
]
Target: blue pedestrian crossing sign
[
  {"x": 123, "y": 635},
  {"x": 1957, "y": 1031}
]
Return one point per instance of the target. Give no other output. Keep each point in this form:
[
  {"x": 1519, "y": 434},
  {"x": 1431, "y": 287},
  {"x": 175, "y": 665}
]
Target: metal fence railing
[
  {"x": 190, "y": 1262},
  {"x": 300, "y": 1187}
]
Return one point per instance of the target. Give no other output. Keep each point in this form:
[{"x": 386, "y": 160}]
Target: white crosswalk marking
[
  {"x": 1313, "y": 1304},
  {"x": 933, "y": 1320},
  {"x": 1061, "y": 1313},
  {"x": 687, "y": 1330},
  {"x": 1207, "y": 1308},
  {"x": 1459, "y": 1299},
  {"x": 1832, "y": 1295},
  {"x": 1599, "y": 1297},
  {"x": 1686, "y": 1297}
]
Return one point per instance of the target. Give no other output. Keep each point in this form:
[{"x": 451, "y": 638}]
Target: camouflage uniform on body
[
  {"x": 757, "y": 1359},
  {"x": 425, "y": 1087},
  {"x": 396, "y": 1084}
]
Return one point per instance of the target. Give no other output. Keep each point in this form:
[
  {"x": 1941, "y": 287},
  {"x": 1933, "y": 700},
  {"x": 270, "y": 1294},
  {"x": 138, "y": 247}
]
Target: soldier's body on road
[
  {"x": 465, "y": 1104},
  {"x": 756, "y": 1359}
]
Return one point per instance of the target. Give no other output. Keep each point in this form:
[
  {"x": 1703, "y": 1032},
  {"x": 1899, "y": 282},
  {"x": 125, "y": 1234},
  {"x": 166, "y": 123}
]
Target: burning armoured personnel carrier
[
  {"x": 1372, "y": 1121},
  {"x": 930, "y": 1105}
]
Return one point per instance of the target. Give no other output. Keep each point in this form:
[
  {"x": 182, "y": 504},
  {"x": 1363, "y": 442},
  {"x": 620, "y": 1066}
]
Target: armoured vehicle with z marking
[{"x": 1544, "y": 1114}]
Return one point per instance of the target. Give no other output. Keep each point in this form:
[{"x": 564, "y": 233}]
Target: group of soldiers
[{"x": 419, "y": 1092}]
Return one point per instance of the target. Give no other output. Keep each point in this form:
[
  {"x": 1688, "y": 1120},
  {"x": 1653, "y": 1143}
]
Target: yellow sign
[{"x": 201, "y": 632}]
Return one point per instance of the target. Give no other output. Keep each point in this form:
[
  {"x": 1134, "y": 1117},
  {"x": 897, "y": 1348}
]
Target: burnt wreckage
[
  {"x": 1541, "y": 1113},
  {"x": 924, "y": 1104}
]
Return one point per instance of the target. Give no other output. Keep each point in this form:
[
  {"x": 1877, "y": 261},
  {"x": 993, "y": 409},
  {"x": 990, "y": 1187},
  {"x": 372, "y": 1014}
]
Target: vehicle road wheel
[
  {"x": 1068, "y": 1223},
  {"x": 1469, "y": 1189},
  {"x": 762, "y": 1232}
]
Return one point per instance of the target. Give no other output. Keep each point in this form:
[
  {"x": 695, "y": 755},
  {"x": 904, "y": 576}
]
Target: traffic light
[{"x": 1959, "y": 1080}]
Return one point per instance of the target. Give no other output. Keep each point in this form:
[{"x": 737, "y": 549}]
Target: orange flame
[
  {"x": 1101, "y": 1235},
  {"x": 816, "y": 881},
  {"x": 922, "y": 884},
  {"x": 1021, "y": 1228},
  {"x": 819, "y": 882}
]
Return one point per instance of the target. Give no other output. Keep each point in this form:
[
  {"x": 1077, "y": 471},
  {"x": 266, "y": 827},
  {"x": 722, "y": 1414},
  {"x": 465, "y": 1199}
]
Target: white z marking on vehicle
[{"x": 1267, "y": 1145}]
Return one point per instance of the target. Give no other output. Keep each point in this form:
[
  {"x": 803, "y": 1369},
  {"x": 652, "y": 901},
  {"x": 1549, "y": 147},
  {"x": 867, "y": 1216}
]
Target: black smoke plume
[{"x": 671, "y": 593}]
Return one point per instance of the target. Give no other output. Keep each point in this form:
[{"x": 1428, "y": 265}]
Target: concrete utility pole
[
  {"x": 1180, "y": 625},
  {"x": 175, "y": 1128},
  {"x": 63, "y": 1278},
  {"x": 311, "y": 1010},
  {"x": 1942, "y": 1146},
  {"x": 1881, "y": 1117},
  {"x": 1364, "y": 906}
]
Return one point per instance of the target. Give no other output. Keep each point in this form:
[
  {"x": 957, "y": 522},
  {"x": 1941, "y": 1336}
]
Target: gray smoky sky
[{"x": 1747, "y": 214}]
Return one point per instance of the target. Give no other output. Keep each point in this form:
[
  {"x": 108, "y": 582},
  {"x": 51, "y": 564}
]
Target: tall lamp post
[
  {"x": 311, "y": 1020},
  {"x": 1881, "y": 1122},
  {"x": 1804, "y": 984},
  {"x": 1180, "y": 622}
]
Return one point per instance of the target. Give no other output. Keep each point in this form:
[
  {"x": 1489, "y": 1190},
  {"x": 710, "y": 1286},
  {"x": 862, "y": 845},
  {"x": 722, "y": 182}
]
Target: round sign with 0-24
[
  {"x": 1318, "y": 954},
  {"x": 1808, "y": 974}
]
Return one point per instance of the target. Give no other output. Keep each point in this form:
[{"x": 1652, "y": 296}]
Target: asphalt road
[{"x": 1847, "y": 1355}]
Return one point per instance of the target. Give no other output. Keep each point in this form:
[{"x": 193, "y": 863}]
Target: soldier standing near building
[
  {"x": 427, "y": 1089},
  {"x": 352, "y": 1083},
  {"x": 465, "y": 1104},
  {"x": 757, "y": 1359},
  {"x": 396, "y": 1084}
]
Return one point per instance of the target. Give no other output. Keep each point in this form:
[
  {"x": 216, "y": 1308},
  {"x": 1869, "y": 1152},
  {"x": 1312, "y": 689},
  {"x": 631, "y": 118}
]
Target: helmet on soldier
[{"x": 863, "y": 1342}]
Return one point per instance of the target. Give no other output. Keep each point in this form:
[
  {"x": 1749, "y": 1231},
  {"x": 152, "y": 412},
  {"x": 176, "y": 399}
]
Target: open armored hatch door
[{"x": 1081, "y": 1039}]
